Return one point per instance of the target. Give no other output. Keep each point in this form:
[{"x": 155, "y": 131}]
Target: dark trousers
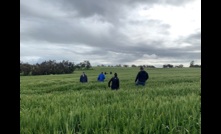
[{"x": 140, "y": 83}]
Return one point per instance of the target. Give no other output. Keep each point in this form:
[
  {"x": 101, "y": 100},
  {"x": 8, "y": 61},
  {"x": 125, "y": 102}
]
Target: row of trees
[
  {"x": 150, "y": 66},
  {"x": 168, "y": 66},
  {"x": 84, "y": 65},
  {"x": 119, "y": 65},
  {"x": 193, "y": 65},
  {"x": 66, "y": 67},
  {"x": 180, "y": 66},
  {"x": 52, "y": 67}
]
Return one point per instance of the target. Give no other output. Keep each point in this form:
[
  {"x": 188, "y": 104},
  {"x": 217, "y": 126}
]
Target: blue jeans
[{"x": 140, "y": 83}]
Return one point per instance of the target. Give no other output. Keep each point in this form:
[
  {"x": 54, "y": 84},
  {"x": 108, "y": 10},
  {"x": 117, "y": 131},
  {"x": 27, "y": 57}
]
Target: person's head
[
  {"x": 115, "y": 74},
  {"x": 141, "y": 68}
]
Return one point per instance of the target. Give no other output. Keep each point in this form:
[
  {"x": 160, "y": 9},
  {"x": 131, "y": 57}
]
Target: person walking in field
[
  {"x": 114, "y": 82},
  {"x": 101, "y": 77},
  {"x": 142, "y": 77},
  {"x": 83, "y": 78}
]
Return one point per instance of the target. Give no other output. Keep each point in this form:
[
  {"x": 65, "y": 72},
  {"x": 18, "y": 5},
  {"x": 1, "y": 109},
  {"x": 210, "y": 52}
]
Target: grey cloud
[
  {"x": 29, "y": 11},
  {"x": 58, "y": 32},
  {"x": 70, "y": 33},
  {"x": 153, "y": 48},
  {"x": 102, "y": 7},
  {"x": 112, "y": 10},
  {"x": 193, "y": 38},
  {"x": 66, "y": 26}
]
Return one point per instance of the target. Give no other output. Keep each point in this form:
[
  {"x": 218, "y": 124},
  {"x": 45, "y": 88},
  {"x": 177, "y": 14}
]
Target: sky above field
[{"x": 111, "y": 32}]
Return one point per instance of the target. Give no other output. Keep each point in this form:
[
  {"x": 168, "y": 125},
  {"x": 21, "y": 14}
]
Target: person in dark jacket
[
  {"x": 114, "y": 82},
  {"x": 83, "y": 78},
  {"x": 101, "y": 77},
  {"x": 142, "y": 77}
]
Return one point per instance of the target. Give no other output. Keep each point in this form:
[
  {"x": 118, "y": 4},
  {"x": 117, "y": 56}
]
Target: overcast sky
[{"x": 111, "y": 32}]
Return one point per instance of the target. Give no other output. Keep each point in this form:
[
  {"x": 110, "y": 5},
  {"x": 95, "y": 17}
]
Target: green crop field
[{"x": 169, "y": 103}]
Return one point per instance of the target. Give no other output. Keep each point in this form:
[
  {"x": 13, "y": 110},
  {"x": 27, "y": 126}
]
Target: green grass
[{"x": 59, "y": 104}]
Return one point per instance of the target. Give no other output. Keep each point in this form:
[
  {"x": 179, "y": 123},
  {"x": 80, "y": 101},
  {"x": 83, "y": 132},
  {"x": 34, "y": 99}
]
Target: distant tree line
[
  {"x": 66, "y": 67},
  {"x": 119, "y": 65},
  {"x": 180, "y": 66},
  {"x": 167, "y": 66},
  {"x": 52, "y": 67},
  {"x": 84, "y": 65},
  {"x": 192, "y": 64}
]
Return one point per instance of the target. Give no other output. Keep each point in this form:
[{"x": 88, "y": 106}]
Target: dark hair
[
  {"x": 141, "y": 68},
  {"x": 115, "y": 74}
]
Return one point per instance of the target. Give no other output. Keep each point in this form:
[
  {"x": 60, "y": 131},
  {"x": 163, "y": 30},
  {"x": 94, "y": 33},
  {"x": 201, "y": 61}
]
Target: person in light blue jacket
[{"x": 101, "y": 77}]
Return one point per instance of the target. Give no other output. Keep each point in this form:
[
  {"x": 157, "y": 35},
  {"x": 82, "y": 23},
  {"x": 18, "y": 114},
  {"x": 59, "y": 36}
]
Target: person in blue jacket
[
  {"x": 101, "y": 77},
  {"x": 114, "y": 82},
  {"x": 83, "y": 78},
  {"x": 142, "y": 77}
]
